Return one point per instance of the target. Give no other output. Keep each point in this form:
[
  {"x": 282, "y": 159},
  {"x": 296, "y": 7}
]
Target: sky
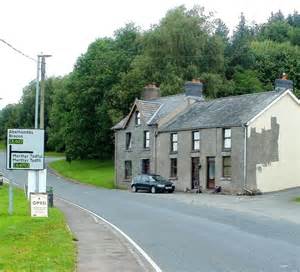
[{"x": 65, "y": 28}]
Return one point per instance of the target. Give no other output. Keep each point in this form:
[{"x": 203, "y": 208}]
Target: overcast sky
[{"x": 66, "y": 28}]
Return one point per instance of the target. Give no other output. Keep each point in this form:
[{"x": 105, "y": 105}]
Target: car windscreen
[{"x": 157, "y": 178}]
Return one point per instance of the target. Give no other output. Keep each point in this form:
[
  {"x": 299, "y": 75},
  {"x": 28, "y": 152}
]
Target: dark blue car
[{"x": 152, "y": 183}]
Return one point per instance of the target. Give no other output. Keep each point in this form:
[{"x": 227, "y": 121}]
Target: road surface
[{"x": 180, "y": 236}]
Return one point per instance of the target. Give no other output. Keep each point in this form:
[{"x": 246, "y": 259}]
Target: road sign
[
  {"x": 39, "y": 205},
  {"x": 25, "y": 149}
]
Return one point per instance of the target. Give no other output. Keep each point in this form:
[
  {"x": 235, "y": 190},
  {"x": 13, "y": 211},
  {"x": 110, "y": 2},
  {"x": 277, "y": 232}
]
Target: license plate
[{"x": 168, "y": 188}]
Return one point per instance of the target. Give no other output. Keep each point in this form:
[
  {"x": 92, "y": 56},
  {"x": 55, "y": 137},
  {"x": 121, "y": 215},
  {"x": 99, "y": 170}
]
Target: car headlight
[{"x": 160, "y": 185}]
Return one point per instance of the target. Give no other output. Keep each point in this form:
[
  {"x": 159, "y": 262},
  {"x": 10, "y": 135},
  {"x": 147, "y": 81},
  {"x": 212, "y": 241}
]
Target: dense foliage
[{"x": 83, "y": 106}]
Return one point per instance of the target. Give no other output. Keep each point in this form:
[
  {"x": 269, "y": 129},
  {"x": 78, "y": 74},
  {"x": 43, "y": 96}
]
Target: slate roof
[
  {"x": 153, "y": 110},
  {"x": 222, "y": 112}
]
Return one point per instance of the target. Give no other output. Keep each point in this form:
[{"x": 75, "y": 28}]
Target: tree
[
  {"x": 239, "y": 54},
  {"x": 273, "y": 59},
  {"x": 88, "y": 133}
]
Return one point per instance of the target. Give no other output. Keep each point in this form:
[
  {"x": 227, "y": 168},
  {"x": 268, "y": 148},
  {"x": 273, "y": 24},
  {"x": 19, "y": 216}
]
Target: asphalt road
[{"x": 184, "y": 237}]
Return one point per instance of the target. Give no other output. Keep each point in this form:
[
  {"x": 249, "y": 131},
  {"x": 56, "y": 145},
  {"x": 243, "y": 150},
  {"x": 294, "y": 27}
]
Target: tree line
[{"x": 81, "y": 107}]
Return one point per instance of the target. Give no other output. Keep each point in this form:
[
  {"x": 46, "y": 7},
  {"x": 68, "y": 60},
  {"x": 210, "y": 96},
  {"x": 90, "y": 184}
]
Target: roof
[
  {"x": 222, "y": 112},
  {"x": 152, "y": 111}
]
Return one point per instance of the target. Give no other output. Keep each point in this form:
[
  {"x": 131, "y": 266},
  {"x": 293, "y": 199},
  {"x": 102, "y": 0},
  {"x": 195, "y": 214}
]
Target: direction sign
[{"x": 25, "y": 149}]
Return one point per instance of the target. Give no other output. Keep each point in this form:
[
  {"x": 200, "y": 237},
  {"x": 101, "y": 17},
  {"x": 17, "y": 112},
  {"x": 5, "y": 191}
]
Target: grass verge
[
  {"x": 33, "y": 244},
  {"x": 94, "y": 172},
  {"x": 297, "y": 199}
]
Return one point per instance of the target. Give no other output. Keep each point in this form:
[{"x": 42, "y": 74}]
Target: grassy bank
[
  {"x": 94, "y": 172},
  {"x": 33, "y": 244}
]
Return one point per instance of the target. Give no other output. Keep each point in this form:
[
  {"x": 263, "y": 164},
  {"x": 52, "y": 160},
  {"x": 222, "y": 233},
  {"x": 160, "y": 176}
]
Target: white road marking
[{"x": 130, "y": 240}]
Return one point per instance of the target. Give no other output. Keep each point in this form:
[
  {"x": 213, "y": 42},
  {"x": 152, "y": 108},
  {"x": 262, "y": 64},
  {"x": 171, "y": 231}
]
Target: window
[
  {"x": 174, "y": 142},
  {"x": 146, "y": 139},
  {"x": 227, "y": 138},
  {"x": 195, "y": 140},
  {"x": 173, "y": 173},
  {"x": 128, "y": 169},
  {"x": 128, "y": 140},
  {"x": 227, "y": 167},
  {"x": 137, "y": 118},
  {"x": 145, "y": 166}
]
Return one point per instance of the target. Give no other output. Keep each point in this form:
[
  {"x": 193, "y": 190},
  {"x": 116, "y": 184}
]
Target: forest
[{"x": 81, "y": 107}]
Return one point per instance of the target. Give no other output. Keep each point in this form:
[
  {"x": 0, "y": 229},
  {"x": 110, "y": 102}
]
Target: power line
[{"x": 18, "y": 51}]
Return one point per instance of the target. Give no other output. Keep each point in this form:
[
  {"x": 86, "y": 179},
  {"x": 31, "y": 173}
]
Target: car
[{"x": 152, "y": 183}]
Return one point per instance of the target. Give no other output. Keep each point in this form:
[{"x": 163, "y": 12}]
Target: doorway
[
  {"x": 195, "y": 173},
  {"x": 211, "y": 172},
  {"x": 145, "y": 166}
]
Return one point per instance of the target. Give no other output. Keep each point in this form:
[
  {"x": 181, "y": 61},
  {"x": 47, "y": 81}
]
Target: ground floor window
[
  {"x": 173, "y": 173},
  {"x": 128, "y": 169},
  {"x": 227, "y": 167},
  {"x": 145, "y": 166}
]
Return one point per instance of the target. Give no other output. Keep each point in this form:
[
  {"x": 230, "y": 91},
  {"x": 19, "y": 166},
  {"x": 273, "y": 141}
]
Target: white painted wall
[{"x": 286, "y": 172}]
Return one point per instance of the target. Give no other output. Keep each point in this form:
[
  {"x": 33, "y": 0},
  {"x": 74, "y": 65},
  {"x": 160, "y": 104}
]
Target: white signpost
[
  {"x": 25, "y": 149},
  {"x": 39, "y": 205}
]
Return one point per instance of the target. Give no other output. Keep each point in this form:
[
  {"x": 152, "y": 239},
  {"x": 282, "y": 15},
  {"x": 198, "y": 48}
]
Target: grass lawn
[
  {"x": 33, "y": 244},
  {"x": 94, "y": 172},
  {"x": 2, "y": 145},
  {"x": 297, "y": 199},
  {"x": 54, "y": 154}
]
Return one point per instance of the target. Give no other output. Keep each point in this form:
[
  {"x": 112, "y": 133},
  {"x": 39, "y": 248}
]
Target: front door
[
  {"x": 145, "y": 166},
  {"x": 211, "y": 172},
  {"x": 195, "y": 173}
]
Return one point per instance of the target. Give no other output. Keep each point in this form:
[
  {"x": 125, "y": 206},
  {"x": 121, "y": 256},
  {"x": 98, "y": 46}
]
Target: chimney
[
  {"x": 151, "y": 91},
  {"x": 283, "y": 83},
  {"x": 194, "y": 88}
]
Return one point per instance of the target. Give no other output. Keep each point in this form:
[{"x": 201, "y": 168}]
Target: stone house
[{"x": 241, "y": 143}]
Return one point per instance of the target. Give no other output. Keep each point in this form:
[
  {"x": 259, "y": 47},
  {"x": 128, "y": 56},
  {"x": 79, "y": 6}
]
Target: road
[{"x": 180, "y": 236}]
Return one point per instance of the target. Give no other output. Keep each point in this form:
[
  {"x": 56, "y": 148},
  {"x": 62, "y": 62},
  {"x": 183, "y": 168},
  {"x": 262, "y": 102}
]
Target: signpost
[{"x": 25, "y": 149}]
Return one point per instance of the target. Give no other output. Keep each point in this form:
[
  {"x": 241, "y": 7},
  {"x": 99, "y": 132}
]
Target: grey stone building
[{"x": 241, "y": 143}]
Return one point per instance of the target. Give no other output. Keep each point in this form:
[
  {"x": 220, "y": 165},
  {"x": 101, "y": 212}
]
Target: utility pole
[
  {"x": 43, "y": 75},
  {"x": 40, "y": 97}
]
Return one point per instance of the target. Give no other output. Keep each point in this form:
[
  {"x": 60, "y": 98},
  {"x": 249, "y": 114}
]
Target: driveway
[{"x": 195, "y": 232}]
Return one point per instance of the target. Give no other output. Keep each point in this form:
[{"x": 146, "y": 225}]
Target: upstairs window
[
  {"x": 227, "y": 167},
  {"x": 174, "y": 142},
  {"x": 128, "y": 141},
  {"x": 195, "y": 140},
  {"x": 137, "y": 118},
  {"x": 227, "y": 138},
  {"x": 146, "y": 139}
]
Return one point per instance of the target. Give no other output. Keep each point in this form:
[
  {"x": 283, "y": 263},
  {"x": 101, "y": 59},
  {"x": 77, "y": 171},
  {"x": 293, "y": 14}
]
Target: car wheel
[
  {"x": 171, "y": 191},
  {"x": 133, "y": 189},
  {"x": 153, "y": 190}
]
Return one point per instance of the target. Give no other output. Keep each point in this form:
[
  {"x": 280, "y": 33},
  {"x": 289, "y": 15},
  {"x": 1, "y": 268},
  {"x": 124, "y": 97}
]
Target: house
[{"x": 241, "y": 143}]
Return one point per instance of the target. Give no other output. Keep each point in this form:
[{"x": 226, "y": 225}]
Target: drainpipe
[
  {"x": 155, "y": 151},
  {"x": 245, "y": 155}
]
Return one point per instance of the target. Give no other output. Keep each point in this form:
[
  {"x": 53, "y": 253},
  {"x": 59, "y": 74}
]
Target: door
[
  {"x": 210, "y": 172},
  {"x": 145, "y": 166},
  {"x": 195, "y": 173}
]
